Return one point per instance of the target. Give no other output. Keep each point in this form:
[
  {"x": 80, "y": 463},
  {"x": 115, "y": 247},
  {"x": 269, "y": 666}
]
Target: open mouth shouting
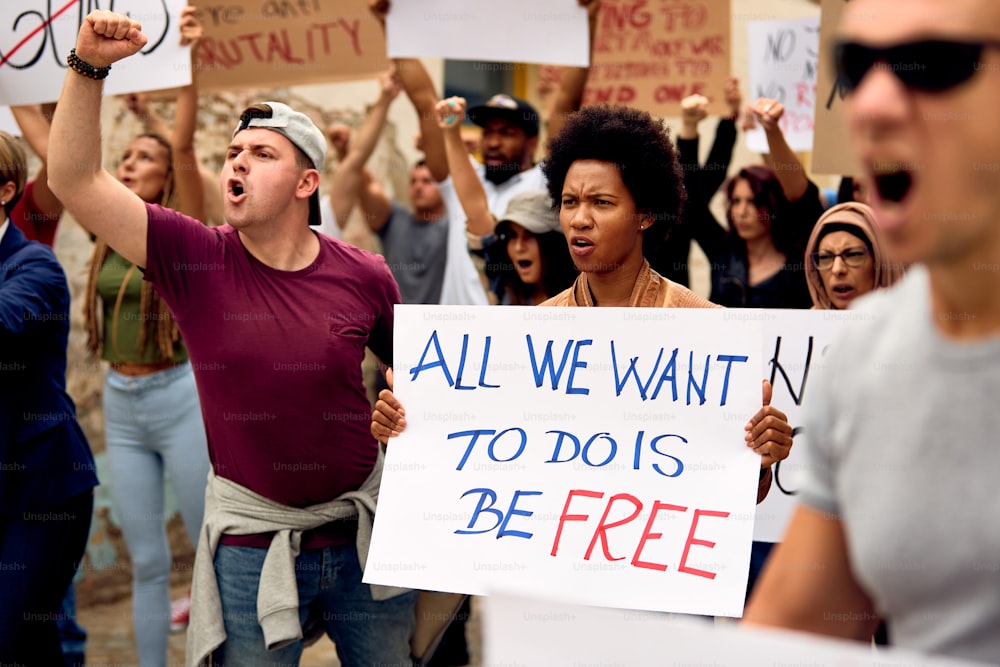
[
  {"x": 236, "y": 190},
  {"x": 894, "y": 183},
  {"x": 581, "y": 246}
]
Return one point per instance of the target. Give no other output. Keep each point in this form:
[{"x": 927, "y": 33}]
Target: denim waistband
[{"x": 116, "y": 380}]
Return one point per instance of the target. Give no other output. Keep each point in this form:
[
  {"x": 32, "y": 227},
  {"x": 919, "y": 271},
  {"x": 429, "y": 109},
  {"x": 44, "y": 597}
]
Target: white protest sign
[
  {"x": 529, "y": 633},
  {"x": 37, "y": 35},
  {"x": 8, "y": 123},
  {"x": 517, "y": 31},
  {"x": 783, "y": 64},
  {"x": 796, "y": 343},
  {"x": 595, "y": 453}
]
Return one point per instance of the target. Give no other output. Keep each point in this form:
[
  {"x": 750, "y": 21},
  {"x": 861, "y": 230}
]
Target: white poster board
[
  {"x": 8, "y": 123},
  {"x": 783, "y": 58},
  {"x": 515, "y": 31},
  {"x": 37, "y": 35},
  {"x": 796, "y": 343},
  {"x": 595, "y": 454},
  {"x": 526, "y": 632}
]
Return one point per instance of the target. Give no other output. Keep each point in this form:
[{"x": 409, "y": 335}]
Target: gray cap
[
  {"x": 297, "y": 128},
  {"x": 532, "y": 210}
]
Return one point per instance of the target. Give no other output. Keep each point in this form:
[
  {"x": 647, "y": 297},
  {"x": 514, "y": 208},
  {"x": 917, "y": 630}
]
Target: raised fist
[
  {"x": 106, "y": 37},
  {"x": 450, "y": 112}
]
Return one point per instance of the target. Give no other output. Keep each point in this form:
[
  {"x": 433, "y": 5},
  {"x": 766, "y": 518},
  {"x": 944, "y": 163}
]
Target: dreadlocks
[{"x": 158, "y": 322}]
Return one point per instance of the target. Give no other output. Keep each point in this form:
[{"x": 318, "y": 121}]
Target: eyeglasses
[
  {"x": 853, "y": 257},
  {"x": 931, "y": 66}
]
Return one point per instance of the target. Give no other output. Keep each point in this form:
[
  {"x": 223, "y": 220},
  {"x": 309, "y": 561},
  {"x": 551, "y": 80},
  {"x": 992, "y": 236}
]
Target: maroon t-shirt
[
  {"x": 277, "y": 358},
  {"x": 37, "y": 226}
]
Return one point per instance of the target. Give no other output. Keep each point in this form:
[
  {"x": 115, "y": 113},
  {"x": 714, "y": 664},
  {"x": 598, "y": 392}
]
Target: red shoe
[{"x": 180, "y": 613}]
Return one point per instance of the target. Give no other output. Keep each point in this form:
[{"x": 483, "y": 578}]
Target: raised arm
[
  {"x": 721, "y": 154},
  {"x": 468, "y": 187},
  {"x": 186, "y": 168},
  {"x": 704, "y": 228},
  {"x": 786, "y": 164},
  {"x": 350, "y": 182},
  {"x": 569, "y": 94},
  {"x": 75, "y": 172},
  {"x": 152, "y": 121},
  {"x": 419, "y": 89},
  {"x": 35, "y": 126}
]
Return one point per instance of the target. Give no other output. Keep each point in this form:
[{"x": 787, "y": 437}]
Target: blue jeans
[
  {"x": 72, "y": 636},
  {"x": 153, "y": 427},
  {"x": 366, "y": 632}
]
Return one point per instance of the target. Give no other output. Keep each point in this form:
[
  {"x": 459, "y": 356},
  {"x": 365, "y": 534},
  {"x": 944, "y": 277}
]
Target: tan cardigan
[{"x": 651, "y": 290}]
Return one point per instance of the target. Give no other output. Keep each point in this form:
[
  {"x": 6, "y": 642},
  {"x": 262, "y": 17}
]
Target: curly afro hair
[{"x": 639, "y": 145}]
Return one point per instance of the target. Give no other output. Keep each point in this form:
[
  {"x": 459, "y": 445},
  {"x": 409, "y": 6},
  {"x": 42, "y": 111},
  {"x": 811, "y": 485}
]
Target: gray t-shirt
[
  {"x": 904, "y": 432},
  {"x": 416, "y": 253}
]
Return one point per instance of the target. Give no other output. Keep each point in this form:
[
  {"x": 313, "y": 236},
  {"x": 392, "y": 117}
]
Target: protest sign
[
  {"x": 552, "y": 32},
  {"x": 7, "y": 122},
  {"x": 597, "y": 454},
  {"x": 36, "y": 37},
  {"x": 521, "y": 630},
  {"x": 783, "y": 57},
  {"x": 832, "y": 152},
  {"x": 272, "y": 43},
  {"x": 796, "y": 343},
  {"x": 651, "y": 54}
]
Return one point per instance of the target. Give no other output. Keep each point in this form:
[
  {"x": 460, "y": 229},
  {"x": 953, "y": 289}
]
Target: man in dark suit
[{"x": 47, "y": 472}]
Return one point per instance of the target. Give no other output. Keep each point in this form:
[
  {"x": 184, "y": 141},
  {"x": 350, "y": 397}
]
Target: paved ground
[{"x": 110, "y": 644}]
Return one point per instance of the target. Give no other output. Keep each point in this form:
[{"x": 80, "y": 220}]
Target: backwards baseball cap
[
  {"x": 532, "y": 209},
  {"x": 511, "y": 109},
  {"x": 297, "y": 128}
]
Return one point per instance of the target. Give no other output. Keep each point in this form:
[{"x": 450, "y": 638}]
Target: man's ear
[{"x": 308, "y": 184}]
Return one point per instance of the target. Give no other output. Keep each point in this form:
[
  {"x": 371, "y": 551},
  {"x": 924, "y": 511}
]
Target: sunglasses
[
  {"x": 932, "y": 65},
  {"x": 853, "y": 257}
]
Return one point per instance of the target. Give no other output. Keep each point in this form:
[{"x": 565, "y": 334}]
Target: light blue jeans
[
  {"x": 153, "y": 425},
  {"x": 366, "y": 632}
]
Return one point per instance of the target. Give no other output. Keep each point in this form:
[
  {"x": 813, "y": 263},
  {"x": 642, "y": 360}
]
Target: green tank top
[{"x": 109, "y": 282}]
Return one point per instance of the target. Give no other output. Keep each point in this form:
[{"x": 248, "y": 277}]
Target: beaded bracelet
[{"x": 86, "y": 69}]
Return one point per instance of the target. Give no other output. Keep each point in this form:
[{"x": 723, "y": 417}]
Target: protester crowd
[{"x": 603, "y": 213}]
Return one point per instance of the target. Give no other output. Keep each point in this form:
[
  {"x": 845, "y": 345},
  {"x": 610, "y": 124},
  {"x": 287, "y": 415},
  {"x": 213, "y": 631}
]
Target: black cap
[{"x": 506, "y": 107}]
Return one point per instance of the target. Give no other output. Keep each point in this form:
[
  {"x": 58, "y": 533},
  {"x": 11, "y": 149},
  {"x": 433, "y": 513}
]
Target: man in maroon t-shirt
[{"x": 276, "y": 319}]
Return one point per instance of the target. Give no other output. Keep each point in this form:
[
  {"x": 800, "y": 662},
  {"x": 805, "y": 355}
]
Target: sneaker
[{"x": 180, "y": 613}]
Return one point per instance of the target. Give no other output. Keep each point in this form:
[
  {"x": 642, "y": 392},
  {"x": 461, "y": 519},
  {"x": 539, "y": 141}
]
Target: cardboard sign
[
  {"x": 278, "y": 43},
  {"x": 548, "y": 31},
  {"x": 651, "y": 54},
  {"x": 521, "y": 630},
  {"x": 832, "y": 152},
  {"x": 37, "y": 35},
  {"x": 783, "y": 57},
  {"x": 594, "y": 454},
  {"x": 796, "y": 343}
]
